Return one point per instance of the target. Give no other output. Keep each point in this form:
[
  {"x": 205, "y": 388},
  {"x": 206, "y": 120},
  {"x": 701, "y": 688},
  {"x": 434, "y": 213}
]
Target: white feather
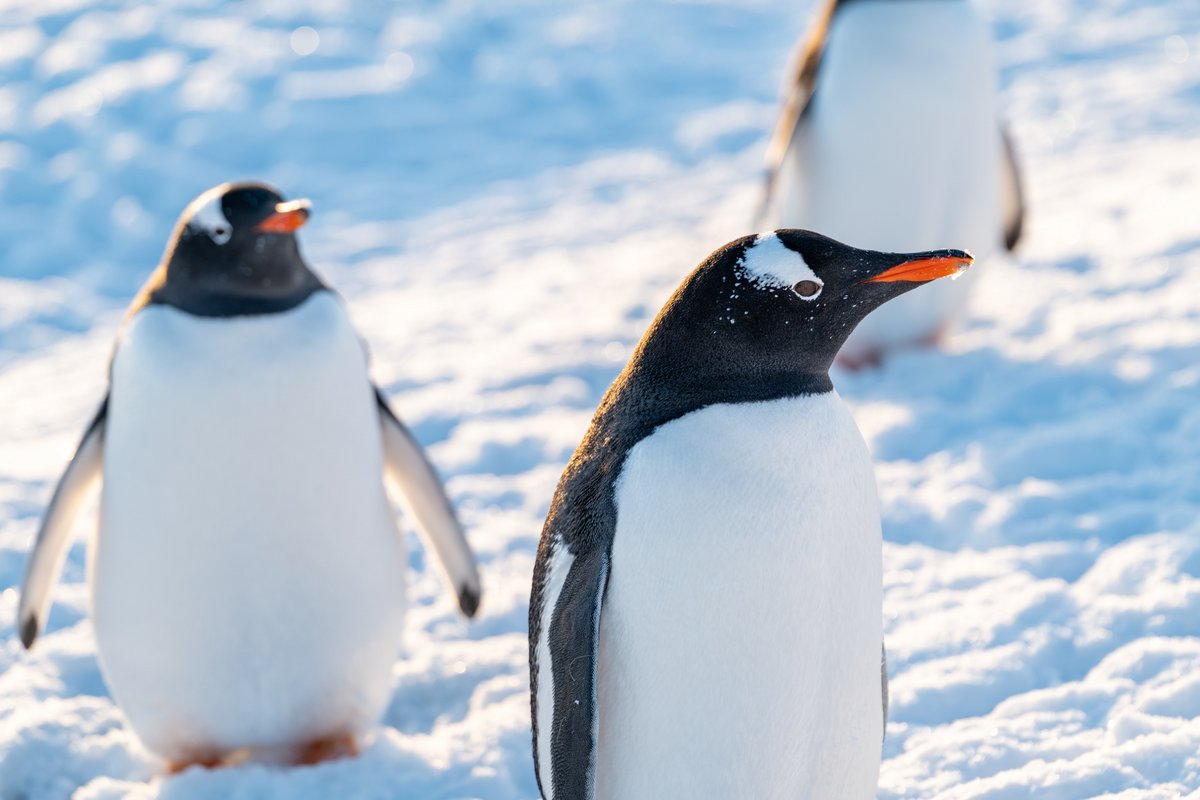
[
  {"x": 205, "y": 213},
  {"x": 769, "y": 262},
  {"x": 248, "y": 576},
  {"x": 739, "y": 646},
  {"x": 899, "y": 151}
]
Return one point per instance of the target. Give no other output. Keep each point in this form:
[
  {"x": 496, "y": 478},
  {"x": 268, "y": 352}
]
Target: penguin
[
  {"x": 247, "y": 575},
  {"x": 890, "y": 136},
  {"x": 706, "y": 609}
]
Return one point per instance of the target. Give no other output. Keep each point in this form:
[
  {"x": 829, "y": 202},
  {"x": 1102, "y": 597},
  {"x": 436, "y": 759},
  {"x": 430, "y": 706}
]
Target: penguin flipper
[
  {"x": 423, "y": 496},
  {"x": 74, "y": 488},
  {"x": 883, "y": 681},
  {"x": 569, "y": 593},
  {"x": 1013, "y": 193},
  {"x": 796, "y": 100}
]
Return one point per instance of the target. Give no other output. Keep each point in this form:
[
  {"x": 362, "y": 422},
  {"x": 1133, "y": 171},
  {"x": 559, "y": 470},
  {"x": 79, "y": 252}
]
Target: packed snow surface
[{"x": 506, "y": 193}]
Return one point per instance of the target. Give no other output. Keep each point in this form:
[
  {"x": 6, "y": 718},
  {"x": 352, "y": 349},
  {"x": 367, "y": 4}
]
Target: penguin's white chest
[
  {"x": 247, "y": 576},
  {"x": 741, "y": 630}
]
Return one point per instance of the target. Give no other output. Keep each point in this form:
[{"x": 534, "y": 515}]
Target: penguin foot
[
  {"x": 176, "y": 767},
  {"x": 935, "y": 339},
  {"x": 874, "y": 358},
  {"x": 869, "y": 359},
  {"x": 327, "y": 749}
]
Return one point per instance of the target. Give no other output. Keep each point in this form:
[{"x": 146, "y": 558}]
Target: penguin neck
[
  {"x": 202, "y": 304},
  {"x": 202, "y": 301},
  {"x": 644, "y": 397}
]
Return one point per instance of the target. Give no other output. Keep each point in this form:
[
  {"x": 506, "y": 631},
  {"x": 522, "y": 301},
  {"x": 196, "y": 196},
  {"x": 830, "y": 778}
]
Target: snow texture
[{"x": 505, "y": 194}]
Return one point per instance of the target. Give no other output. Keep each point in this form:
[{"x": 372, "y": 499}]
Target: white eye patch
[
  {"x": 769, "y": 263},
  {"x": 210, "y": 219}
]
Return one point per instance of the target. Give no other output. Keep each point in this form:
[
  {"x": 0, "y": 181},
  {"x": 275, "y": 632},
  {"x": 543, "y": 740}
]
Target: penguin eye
[
  {"x": 221, "y": 234},
  {"x": 807, "y": 290}
]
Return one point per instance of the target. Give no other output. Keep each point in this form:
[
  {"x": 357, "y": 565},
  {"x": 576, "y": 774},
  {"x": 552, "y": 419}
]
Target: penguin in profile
[
  {"x": 706, "y": 613},
  {"x": 247, "y": 574},
  {"x": 890, "y": 137}
]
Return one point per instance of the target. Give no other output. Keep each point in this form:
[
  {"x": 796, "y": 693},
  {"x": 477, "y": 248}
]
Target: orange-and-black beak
[
  {"x": 288, "y": 217},
  {"x": 924, "y": 267}
]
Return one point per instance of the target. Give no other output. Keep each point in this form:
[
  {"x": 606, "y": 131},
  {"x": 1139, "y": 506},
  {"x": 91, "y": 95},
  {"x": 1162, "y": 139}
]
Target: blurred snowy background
[{"x": 505, "y": 193}]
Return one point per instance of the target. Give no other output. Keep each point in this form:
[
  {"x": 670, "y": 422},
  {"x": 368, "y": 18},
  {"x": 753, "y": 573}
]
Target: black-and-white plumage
[
  {"x": 689, "y": 539},
  {"x": 247, "y": 573}
]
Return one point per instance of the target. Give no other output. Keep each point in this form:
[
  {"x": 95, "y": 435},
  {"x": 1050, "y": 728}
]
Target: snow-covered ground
[{"x": 505, "y": 193}]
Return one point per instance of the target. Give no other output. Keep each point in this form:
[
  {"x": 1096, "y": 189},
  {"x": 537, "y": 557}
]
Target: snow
[{"x": 506, "y": 194}]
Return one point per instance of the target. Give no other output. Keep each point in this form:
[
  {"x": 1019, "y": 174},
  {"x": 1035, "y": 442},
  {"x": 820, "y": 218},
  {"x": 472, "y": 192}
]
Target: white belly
[
  {"x": 740, "y": 635},
  {"x": 901, "y": 150},
  {"x": 248, "y": 576}
]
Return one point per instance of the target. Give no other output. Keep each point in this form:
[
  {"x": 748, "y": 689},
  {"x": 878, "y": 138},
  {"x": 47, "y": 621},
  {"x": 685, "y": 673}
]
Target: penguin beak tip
[
  {"x": 288, "y": 217},
  {"x": 927, "y": 267}
]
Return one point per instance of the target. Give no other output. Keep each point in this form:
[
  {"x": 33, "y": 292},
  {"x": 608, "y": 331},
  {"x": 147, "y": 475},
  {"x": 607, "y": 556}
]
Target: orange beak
[
  {"x": 927, "y": 267},
  {"x": 288, "y": 217}
]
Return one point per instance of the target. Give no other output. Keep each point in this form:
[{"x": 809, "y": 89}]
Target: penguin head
[
  {"x": 781, "y": 304},
  {"x": 234, "y": 248}
]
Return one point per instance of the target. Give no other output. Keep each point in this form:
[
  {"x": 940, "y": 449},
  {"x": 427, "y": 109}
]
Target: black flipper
[
  {"x": 572, "y": 643},
  {"x": 883, "y": 680},
  {"x": 1012, "y": 198}
]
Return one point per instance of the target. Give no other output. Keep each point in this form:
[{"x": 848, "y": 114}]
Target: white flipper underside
[
  {"x": 77, "y": 485},
  {"x": 421, "y": 493}
]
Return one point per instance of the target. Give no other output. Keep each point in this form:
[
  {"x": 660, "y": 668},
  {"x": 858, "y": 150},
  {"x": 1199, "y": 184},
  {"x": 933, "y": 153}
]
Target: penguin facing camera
[
  {"x": 706, "y": 611},
  {"x": 247, "y": 574},
  {"x": 890, "y": 136}
]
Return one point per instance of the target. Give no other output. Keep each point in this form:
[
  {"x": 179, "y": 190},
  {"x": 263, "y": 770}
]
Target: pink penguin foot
[
  {"x": 869, "y": 359},
  {"x": 327, "y": 749},
  {"x": 874, "y": 357},
  {"x": 209, "y": 762},
  {"x": 935, "y": 339}
]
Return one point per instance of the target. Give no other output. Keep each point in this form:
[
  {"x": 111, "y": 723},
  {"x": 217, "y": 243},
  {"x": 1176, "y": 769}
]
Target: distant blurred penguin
[
  {"x": 890, "y": 137},
  {"x": 247, "y": 577}
]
